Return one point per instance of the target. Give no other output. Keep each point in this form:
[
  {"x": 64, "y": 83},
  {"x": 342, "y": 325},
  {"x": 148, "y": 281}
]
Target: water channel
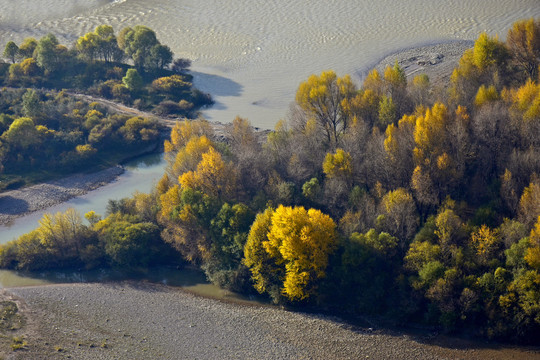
[{"x": 140, "y": 174}]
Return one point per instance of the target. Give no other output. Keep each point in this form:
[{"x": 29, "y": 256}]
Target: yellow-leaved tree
[
  {"x": 441, "y": 152},
  {"x": 339, "y": 165},
  {"x": 61, "y": 232},
  {"x": 325, "y": 99},
  {"x": 481, "y": 65},
  {"x": 400, "y": 217},
  {"x": 288, "y": 249},
  {"x": 182, "y": 132},
  {"x": 487, "y": 243},
  {"x": 533, "y": 253},
  {"x": 523, "y": 40},
  {"x": 192, "y": 190},
  {"x": 190, "y": 155},
  {"x": 265, "y": 271},
  {"x": 529, "y": 204},
  {"x": 486, "y": 95},
  {"x": 526, "y": 100},
  {"x": 213, "y": 176},
  {"x": 398, "y": 145}
]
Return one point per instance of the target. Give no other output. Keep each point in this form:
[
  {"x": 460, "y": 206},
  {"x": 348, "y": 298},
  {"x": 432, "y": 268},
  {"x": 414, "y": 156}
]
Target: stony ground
[
  {"x": 131, "y": 320},
  {"x": 16, "y": 203},
  {"x": 437, "y": 61}
]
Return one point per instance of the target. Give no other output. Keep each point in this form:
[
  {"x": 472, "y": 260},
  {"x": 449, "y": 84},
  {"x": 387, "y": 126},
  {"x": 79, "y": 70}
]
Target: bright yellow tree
[
  {"x": 400, "y": 214},
  {"x": 299, "y": 242},
  {"x": 485, "y": 95},
  {"x": 324, "y": 98},
  {"x": 526, "y": 99},
  {"x": 213, "y": 176},
  {"x": 338, "y": 165},
  {"x": 523, "y": 40},
  {"x": 533, "y": 253},
  {"x": 182, "y": 132},
  {"x": 188, "y": 157},
  {"x": 486, "y": 242},
  {"x": 264, "y": 269},
  {"x": 529, "y": 204}
]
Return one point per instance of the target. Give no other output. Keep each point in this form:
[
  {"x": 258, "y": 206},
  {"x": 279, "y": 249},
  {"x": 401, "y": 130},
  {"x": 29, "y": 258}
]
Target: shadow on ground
[{"x": 12, "y": 206}]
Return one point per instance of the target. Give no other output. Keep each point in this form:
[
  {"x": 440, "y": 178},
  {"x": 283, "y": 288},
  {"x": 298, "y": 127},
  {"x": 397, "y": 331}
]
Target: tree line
[
  {"x": 132, "y": 67},
  {"x": 398, "y": 198}
]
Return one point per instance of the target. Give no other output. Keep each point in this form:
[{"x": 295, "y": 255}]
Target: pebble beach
[
  {"x": 134, "y": 320},
  {"x": 16, "y": 203}
]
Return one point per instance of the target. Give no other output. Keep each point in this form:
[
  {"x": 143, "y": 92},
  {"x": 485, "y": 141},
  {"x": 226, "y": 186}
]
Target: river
[{"x": 139, "y": 175}]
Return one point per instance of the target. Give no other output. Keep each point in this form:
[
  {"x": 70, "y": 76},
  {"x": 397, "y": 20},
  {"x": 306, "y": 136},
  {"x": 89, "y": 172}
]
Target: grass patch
[
  {"x": 10, "y": 319},
  {"x": 18, "y": 343}
]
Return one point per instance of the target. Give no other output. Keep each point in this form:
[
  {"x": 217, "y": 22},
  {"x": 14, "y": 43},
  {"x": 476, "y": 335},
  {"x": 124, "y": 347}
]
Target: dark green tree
[
  {"x": 160, "y": 57},
  {"x": 11, "y": 51},
  {"x": 133, "y": 80},
  {"x": 31, "y": 105},
  {"x": 137, "y": 43},
  {"x": 47, "y": 53}
]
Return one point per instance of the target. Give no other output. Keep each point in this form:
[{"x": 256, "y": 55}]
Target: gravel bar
[
  {"x": 138, "y": 320},
  {"x": 437, "y": 61},
  {"x": 16, "y": 203}
]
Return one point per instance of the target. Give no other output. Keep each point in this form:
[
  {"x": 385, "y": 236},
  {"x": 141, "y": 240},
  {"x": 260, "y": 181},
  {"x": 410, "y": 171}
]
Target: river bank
[
  {"x": 17, "y": 203},
  {"x": 437, "y": 61},
  {"x": 134, "y": 320},
  {"x": 20, "y": 202}
]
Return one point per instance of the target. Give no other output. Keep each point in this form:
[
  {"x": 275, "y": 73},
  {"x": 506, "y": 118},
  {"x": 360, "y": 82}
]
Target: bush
[
  {"x": 200, "y": 99},
  {"x": 127, "y": 243},
  {"x": 171, "y": 86},
  {"x": 121, "y": 92},
  {"x": 181, "y": 65},
  {"x": 168, "y": 107}
]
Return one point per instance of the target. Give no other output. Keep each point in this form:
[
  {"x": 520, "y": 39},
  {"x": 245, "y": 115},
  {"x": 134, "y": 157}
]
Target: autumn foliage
[
  {"x": 288, "y": 249},
  {"x": 394, "y": 197}
]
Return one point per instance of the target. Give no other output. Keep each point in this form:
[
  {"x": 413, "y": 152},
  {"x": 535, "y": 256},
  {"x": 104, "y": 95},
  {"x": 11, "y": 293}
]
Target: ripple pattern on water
[{"x": 269, "y": 46}]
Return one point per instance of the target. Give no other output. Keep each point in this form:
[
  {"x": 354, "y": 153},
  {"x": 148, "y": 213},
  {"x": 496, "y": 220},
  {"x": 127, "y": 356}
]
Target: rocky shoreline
[
  {"x": 16, "y": 203},
  {"x": 436, "y": 61},
  {"x": 138, "y": 320}
]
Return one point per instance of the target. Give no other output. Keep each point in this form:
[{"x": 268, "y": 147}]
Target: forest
[
  {"x": 400, "y": 199},
  {"x": 46, "y": 130}
]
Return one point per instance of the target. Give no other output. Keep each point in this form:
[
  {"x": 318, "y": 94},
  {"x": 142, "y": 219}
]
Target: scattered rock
[
  {"x": 167, "y": 323},
  {"x": 436, "y": 61}
]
